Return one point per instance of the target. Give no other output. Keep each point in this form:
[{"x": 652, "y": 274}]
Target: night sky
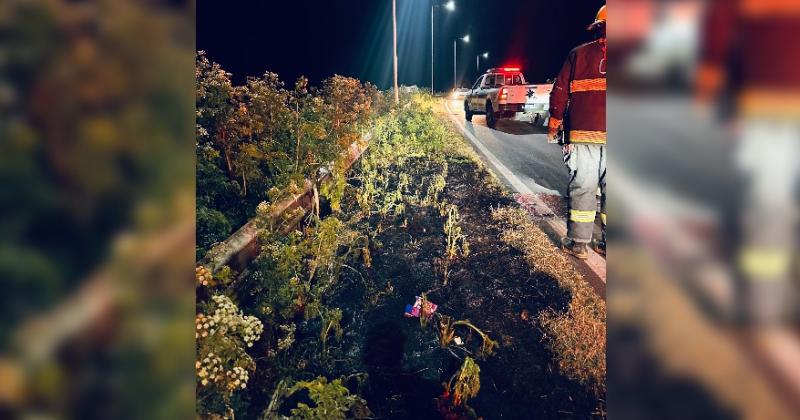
[{"x": 320, "y": 38}]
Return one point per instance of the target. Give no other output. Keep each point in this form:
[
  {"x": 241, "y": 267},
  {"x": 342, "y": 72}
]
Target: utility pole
[{"x": 394, "y": 25}]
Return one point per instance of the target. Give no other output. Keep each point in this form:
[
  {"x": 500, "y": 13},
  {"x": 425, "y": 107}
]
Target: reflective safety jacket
[
  {"x": 578, "y": 99},
  {"x": 749, "y": 49}
]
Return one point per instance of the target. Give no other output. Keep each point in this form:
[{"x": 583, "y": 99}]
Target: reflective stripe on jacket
[{"x": 579, "y": 95}]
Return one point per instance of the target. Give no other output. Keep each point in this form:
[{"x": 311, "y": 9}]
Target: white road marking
[{"x": 515, "y": 182}]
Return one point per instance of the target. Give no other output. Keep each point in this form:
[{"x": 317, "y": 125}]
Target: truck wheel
[
  {"x": 467, "y": 112},
  {"x": 491, "y": 118}
]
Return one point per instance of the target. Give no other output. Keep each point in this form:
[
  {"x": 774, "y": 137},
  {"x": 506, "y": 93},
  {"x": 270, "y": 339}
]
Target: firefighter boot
[
  {"x": 576, "y": 249},
  {"x": 599, "y": 246}
]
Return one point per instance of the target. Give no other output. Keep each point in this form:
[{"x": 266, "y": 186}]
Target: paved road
[{"x": 522, "y": 149}]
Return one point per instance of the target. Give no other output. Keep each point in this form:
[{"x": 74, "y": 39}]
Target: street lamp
[
  {"x": 478, "y": 61},
  {"x": 450, "y": 6},
  {"x": 394, "y": 27},
  {"x": 465, "y": 38}
]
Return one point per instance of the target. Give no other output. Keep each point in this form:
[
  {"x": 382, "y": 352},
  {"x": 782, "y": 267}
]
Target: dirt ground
[{"x": 491, "y": 287}]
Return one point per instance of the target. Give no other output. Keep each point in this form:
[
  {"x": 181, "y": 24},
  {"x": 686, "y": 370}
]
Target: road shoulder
[{"x": 594, "y": 268}]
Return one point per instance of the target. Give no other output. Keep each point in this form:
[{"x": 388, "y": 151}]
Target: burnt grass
[{"x": 404, "y": 363}]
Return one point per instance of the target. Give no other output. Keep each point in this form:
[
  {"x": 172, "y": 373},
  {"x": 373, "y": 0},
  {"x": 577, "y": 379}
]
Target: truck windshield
[{"x": 477, "y": 83}]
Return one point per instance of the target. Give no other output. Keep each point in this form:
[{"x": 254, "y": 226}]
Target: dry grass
[{"x": 577, "y": 338}]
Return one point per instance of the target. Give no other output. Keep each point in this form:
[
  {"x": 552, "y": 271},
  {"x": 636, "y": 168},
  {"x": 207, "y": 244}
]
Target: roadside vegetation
[
  {"x": 314, "y": 326},
  {"x": 262, "y": 139}
]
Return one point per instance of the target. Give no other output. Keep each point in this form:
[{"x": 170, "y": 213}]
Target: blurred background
[
  {"x": 97, "y": 209},
  {"x": 703, "y": 268}
]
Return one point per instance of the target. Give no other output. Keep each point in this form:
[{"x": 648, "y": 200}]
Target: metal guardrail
[{"x": 241, "y": 247}]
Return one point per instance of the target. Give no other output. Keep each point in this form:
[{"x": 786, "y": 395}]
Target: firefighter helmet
[{"x": 599, "y": 19}]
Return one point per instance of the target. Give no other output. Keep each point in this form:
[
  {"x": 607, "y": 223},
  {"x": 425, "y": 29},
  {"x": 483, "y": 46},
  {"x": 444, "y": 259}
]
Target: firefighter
[
  {"x": 749, "y": 63},
  {"x": 578, "y": 123}
]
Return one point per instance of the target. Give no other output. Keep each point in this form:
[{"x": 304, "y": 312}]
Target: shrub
[
  {"x": 331, "y": 401},
  {"x": 212, "y": 227},
  {"x": 223, "y": 365},
  {"x": 259, "y": 136},
  {"x": 465, "y": 383}
]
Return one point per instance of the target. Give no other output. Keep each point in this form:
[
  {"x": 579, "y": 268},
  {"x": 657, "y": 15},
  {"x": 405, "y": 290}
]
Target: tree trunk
[
  {"x": 297, "y": 135},
  {"x": 228, "y": 162},
  {"x": 223, "y": 136},
  {"x": 297, "y": 151}
]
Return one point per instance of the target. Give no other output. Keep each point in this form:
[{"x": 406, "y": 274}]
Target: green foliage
[
  {"x": 212, "y": 227},
  {"x": 465, "y": 383},
  {"x": 334, "y": 188},
  {"x": 408, "y": 144},
  {"x": 260, "y": 136},
  {"x": 297, "y": 270},
  {"x": 331, "y": 322},
  {"x": 455, "y": 242},
  {"x": 204, "y": 277},
  {"x": 276, "y": 278},
  {"x": 331, "y": 401},
  {"x": 223, "y": 334},
  {"x": 311, "y": 260},
  {"x": 329, "y": 235}
]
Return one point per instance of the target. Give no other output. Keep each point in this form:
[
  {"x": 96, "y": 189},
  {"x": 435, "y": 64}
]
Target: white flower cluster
[
  {"x": 201, "y": 131},
  {"x": 263, "y": 209},
  {"x": 203, "y": 276},
  {"x": 272, "y": 248},
  {"x": 252, "y": 330},
  {"x": 287, "y": 341},
  {"x": 237, "y": 378},
  {"x": 203, "y": 326},
  {"x": 211, "y": 371},
  {"x": 230, "y": 320}
]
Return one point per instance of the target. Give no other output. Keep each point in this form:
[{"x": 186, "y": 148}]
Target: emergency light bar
[{"x": 503, "y": 70}]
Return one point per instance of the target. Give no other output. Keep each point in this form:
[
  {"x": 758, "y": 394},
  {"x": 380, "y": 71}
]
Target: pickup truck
[
  {"x": 499, "y": 93},
  {"x": 537, "y": 106}
]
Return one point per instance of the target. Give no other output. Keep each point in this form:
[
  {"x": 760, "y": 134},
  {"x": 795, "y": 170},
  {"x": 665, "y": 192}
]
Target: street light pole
[
  {"x": 450, "y": 5},
  {"x": 478, "y": 61},
  {"x": 465, "y": 38},
  {"x": 394, "y": 25}
]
